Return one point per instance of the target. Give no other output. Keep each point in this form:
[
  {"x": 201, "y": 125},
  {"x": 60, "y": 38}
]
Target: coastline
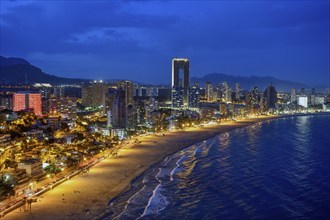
[{"x": 87, "y": 197}]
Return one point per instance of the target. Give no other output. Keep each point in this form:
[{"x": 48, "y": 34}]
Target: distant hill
[
  {"x": 17, "y": 70},
  {"x": 11, "y": 61},
  {"x": 249, "y": 82}
]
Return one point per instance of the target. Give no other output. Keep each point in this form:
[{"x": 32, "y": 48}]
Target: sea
[{"x": 277, "y": 169}]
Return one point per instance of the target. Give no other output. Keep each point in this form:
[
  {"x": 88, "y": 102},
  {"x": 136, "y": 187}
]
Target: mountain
[
  {"x": 17, "y": 71},
  {"x": 11, "y": 61},
  {"x": 249, "y": 82}
]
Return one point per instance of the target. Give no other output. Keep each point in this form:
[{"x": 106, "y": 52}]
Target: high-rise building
[
  {"x": 319, "y": 100},
  {"x": 119, "y": 109},
  {"x": 131, "y": 117},
  {"x": 109, "y": 98},
  {"x": 65, "y": 106},
  {"x": 303, "y": 101},
  {"x": 58, "y": 91},
  {"x": 178, "y": 83},
  {"x": 254, "y": 96},
  {"x": 303, "y": 91},
  {"x": 215, "y": 96},
  {"x": 209, "y": 92},
  {"x": 293, "y": 96},
  {"x": 93, "y": 95},
  {"x": 109, "y": 118},
  {"x": 6, "y": 101},
  {"x": 194, "y": 97},
  {"x": 219, "y": 92},
  {"x": 27, "y": 100},
  {"x": 270, "y": 97},
  {"x": 226, "y": 92},
  {"x": 129, "y": 90},
  {"x": 140, "y": 106},
  {"x": 238, "y": 91},
  {"x": 313, "y": 91},
  {"x": 142, "y": 91},
  {"x": 177, "y": 97},
  {"x": 44, "y": 89}
]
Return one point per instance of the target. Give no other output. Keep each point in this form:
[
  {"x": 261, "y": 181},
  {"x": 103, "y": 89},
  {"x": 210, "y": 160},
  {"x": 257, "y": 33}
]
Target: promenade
[{"x": 86, "y": 196}]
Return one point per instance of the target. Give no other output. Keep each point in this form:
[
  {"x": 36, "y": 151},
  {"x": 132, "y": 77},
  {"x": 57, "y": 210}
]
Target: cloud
[
  {"x": 54, "y": 26},
  {"x": 231, "y": 36}
]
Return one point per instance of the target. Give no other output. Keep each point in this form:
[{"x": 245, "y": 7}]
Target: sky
[{"x": 137, "y": 40}]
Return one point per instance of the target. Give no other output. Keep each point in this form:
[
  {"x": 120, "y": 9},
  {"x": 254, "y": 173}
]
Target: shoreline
[
  {"x": 107, "y": 212},
  {"x": 112, "y": 177}
]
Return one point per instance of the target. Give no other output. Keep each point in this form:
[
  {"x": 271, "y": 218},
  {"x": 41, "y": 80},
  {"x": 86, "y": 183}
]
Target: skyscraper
[
  {"x": 293, "y": 95},
  {"x": 194, "y": 97},
  {"x": 177, "y": 97},
  {"x": 6, "y": 101},
  {"x": 66, "y": 106},
  {"x": 302, "y": 91},
  {"x": 270, "y": 97},
  {"x": 178, "y": 83},
  {"x": 129, "y": 90},
  {"x": 119, "y": 109},
  {"x": 226, "y": 92},
  {"x": 93, "y": 95},
  {"x": 254, "y": 96},
  {"x": 27, "y": 100},
  {"x": 209, "y": 92},
  {"x": 219, "y": 92},
  {"x": 238, "y": 91}
]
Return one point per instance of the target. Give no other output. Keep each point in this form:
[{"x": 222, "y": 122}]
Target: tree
[
  {"x": 52, "y": 169},
  {"x": 7, "y": 183}
]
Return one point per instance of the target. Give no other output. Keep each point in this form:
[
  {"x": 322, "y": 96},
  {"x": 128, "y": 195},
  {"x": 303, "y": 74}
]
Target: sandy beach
[{"x": 86, "y": 197}]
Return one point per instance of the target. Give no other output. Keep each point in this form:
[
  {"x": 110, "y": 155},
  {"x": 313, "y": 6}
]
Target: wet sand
[{"x": 87, "y": 197}]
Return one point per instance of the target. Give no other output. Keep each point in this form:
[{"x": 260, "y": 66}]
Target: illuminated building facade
[
  {"x": 94, "y": 94},
  {"x": 6, "y": 101},
  {"x": 238, "y": 91},
  {"x": 226, "y": 92},
  {"x": 303, "y": 101},
  {"x": 129, "y": 91},
  {"x": 209, "y": 92},
  {"x": 65, "y": 106},
  {"x": 254, "y": 96},
  {"x": 194, "y": 96},
  {"x": 33, "y": 166},
  {"x": 180, "y": 84},
  {"x": 27, "y": 100},
  {"x": 177, "y": 97}
]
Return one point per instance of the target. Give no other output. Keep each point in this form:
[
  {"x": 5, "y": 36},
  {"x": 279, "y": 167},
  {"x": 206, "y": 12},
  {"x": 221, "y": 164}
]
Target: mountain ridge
[
  {"x": 248, "y": 82},
  {"x": 15, "y": 70},
  {"x": 19, "y": 71}
]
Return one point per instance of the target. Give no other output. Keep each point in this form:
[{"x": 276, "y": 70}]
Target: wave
[
  {"x": 157, "y": 202},
  {"x": 250, "y": 178},
  {"x": 178, "y": 163}
]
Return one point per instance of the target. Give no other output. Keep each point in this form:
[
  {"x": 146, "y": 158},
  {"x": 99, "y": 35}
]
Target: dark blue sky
[{"x": 137, "y": 39}]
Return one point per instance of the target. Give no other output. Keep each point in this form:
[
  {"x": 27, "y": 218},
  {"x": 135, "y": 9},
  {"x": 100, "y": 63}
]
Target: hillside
[
  {"x": 18, "y": 70},
  {"x": 248, "y": 82}
]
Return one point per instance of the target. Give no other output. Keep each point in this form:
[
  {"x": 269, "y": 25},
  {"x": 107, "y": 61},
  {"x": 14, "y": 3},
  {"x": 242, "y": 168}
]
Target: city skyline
[
  {"x": 236, "y": 38},
  {"x": 127, "y": 109},
  {"x": 54, "y": 135}
]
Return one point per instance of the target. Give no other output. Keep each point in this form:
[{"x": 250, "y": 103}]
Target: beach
[{"x": 87, "y": 196}]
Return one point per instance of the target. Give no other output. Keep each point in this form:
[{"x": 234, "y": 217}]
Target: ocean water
[{"x": 277, "y": 169}]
